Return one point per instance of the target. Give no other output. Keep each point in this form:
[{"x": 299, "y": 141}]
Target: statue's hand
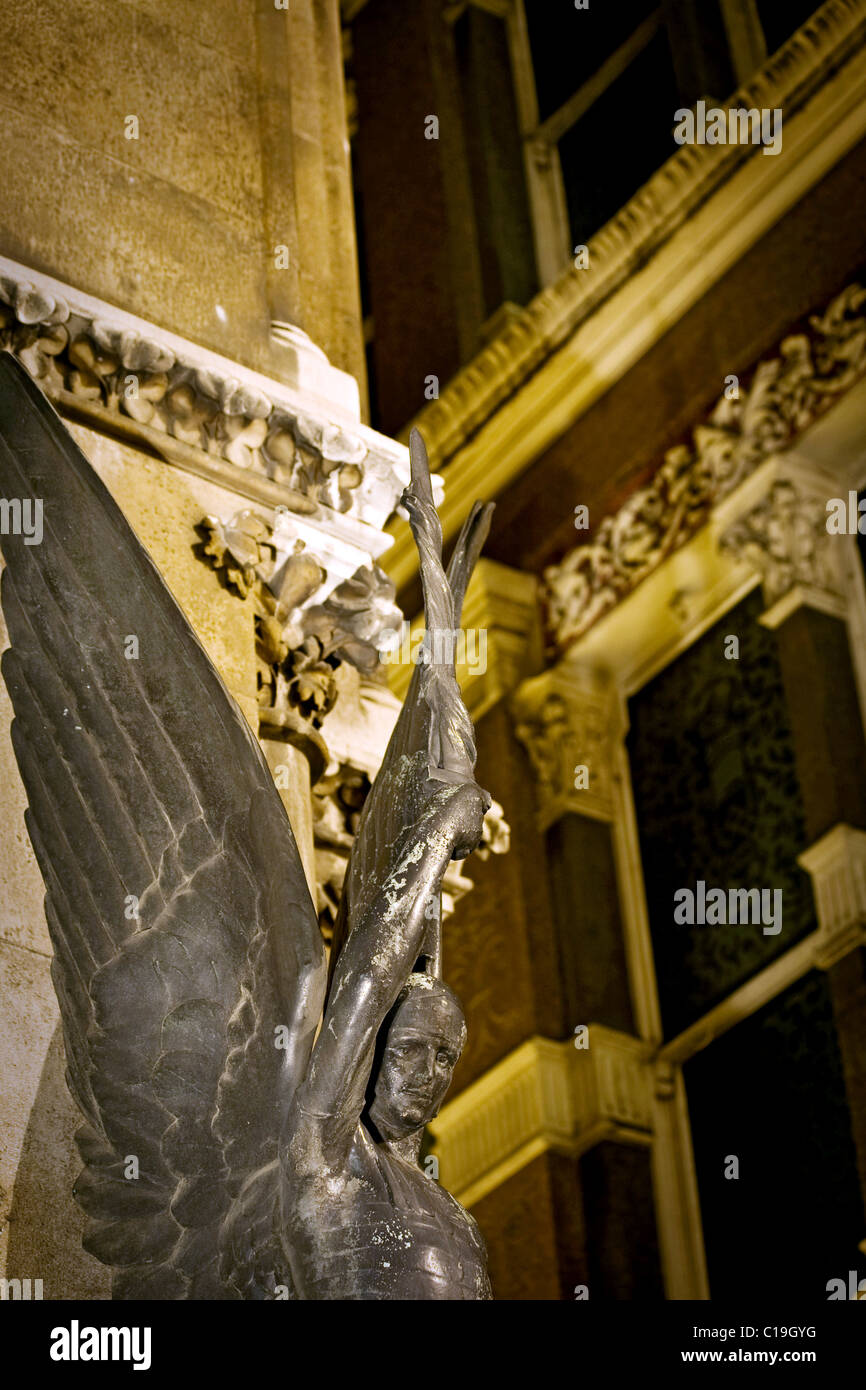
[{"x": 467, "y": 807}]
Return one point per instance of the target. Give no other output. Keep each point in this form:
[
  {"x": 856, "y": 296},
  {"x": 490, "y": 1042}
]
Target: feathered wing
[
  {"x": 183, "y": 930},
  {"x": 433, "y": 703}
]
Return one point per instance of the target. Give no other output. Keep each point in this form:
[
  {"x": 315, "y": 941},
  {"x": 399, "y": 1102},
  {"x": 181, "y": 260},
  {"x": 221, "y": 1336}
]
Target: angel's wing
[
  {"x": 433, "y": 736},
  {"x": 183, "y": 930}
]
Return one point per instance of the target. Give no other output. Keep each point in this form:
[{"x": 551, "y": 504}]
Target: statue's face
[{"x": 421, "y": 1051}]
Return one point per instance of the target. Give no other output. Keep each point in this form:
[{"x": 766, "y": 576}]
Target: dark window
[
  {"x": 771, "y": 1092},
  {"x": 495, "y": 157},
  {"x": 780, "y": 18},
  {"x": 717, "y": 800},
  {"x": 569, "y": 46},
  {"x": 623, "y": 138}
]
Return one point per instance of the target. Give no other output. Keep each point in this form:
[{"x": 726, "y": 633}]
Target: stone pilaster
[
  {"x": 815, "y": 608},
  {"x": 568, "y": 723}
]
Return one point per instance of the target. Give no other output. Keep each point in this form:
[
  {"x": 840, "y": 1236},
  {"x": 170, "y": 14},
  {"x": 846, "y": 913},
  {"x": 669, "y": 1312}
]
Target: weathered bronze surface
[{"x": 274, "y": 1113}]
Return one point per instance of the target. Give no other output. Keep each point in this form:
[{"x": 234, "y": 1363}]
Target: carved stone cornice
[
  {"x": 837, "y": 866},
  {"x": 781, "y": 531},
  {"x": 544, "y": 1095},
  {"x": 786, "y": 394},
  {"x": 300, "y": 447},
  {"x": 569, "y": 724},
  {"x": 507, "y": 376}
]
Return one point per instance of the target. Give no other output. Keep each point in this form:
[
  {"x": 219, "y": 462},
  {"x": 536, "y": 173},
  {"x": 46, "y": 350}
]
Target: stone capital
[
  {"x": 544, "y": 1095},
  {"x": 836, "y": 865},
  {"x": 777, "y": 523},
  {"x": 570, "y": 723}
]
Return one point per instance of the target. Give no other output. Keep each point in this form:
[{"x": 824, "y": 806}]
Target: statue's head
[{"x": 423, "y": 1041}]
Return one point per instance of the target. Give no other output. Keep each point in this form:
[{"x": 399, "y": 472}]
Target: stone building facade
[{"x": 243, "y": 248}]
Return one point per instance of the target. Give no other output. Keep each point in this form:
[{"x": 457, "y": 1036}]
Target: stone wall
[{"x": 156, "y": 153}]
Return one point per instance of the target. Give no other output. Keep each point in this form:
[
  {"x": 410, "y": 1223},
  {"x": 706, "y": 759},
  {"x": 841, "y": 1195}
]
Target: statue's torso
[{"x": 383, "y": 1230}]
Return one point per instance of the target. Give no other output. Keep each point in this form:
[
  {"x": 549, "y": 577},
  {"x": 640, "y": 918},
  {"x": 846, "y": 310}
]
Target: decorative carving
[
  {"x": 87, "y": 355},
  {"x": 785, "y": 538},
  {"x": 786, "y": 394},
  {"x": 543, "y": 1095},
  {"x": 299, "y": 643},
  {"x": 566, "y": 726}
]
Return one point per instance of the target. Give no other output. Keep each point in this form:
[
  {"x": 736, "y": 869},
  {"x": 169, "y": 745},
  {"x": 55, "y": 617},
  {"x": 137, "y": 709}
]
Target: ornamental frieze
[
  {"x": 197, "y": 409},
  {"x": 785, "y": 395}
]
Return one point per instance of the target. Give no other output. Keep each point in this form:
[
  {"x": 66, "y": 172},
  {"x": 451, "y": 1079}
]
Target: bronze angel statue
[{"x": 265, "y": 1170}]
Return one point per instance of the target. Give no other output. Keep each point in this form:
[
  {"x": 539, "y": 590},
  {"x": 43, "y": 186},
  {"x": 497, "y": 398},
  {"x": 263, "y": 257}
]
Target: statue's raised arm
[{"x": 359, "y": 1213}]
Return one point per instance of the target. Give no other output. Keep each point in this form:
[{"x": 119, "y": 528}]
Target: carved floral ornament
[
  {"x": 785, "y": 538},
  {"x": 568, "y": 730},
  {"x": 786, "y": 394},
  {"x": 300, "y": 643},
  {"x": 143, "y": 379}
]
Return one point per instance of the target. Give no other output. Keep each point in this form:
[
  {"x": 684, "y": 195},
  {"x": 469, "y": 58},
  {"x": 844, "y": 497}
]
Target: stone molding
[
  {"x": 837, "y": 866},
  {"x": 301, "y": 447},
  {"x": 786, "y": 394},
  {"x": 566, "y": 721},
  {"x": 544, "y": 1095},
  {"x": 526, "y": 387}
]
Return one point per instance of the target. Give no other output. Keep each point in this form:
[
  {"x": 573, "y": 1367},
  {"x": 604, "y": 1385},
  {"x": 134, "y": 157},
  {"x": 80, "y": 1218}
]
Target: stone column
[
  {"x": 566, "y": 722},
  {"x": 307, "y": 184},
  {"x": 573, "y": 724},
  {"x": 409, "y": 103}
]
